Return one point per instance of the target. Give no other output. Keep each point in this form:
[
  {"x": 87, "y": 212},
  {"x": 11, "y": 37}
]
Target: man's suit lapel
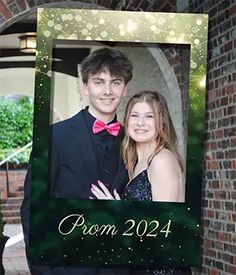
[
  {"x": 121, "y": 175},
  {"x": 82, "y": 140}
]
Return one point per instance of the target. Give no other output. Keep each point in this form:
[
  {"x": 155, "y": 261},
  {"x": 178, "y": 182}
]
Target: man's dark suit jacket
[
  {"x": 73, "y": 169},
  {"x": 73, "y": 164}
]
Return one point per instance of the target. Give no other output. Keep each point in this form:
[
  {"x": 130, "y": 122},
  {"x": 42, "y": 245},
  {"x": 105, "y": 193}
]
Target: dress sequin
[{"x": 139, "y": 188}]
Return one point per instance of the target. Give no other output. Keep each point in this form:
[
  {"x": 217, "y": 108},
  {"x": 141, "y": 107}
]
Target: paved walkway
[{"x": 14, "y": 259}]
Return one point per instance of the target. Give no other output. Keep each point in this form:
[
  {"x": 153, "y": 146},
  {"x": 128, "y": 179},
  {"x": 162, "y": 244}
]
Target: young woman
[
  {"x": 150, "y": 153},
  {"x": 154, "y": 165}
]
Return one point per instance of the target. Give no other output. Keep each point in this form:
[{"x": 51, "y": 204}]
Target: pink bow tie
[{"x": 113, "y": 128}]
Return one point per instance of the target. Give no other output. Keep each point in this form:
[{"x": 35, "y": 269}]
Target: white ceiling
[{"x": 10, "y": 41}]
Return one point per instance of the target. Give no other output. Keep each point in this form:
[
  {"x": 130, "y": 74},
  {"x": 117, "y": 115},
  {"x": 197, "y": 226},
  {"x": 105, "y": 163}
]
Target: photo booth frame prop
[{"x": 97, "y": 233}]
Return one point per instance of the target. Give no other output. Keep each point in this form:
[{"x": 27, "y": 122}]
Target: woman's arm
[
  {"x": 166, "y": 177},
  {"x": 103, "y": 193}
]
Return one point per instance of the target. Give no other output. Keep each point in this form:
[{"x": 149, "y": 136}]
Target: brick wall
[
  {"x": 219, "y": 195},
  {"x": 16, "y": 182},
  {"x": 178, "y": 57}
]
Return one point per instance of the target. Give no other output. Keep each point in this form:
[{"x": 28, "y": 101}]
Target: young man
[{"x": 86, "y": 147}]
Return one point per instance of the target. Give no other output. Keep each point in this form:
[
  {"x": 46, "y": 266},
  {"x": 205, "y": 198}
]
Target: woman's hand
[{"x": 103, "y": 193}]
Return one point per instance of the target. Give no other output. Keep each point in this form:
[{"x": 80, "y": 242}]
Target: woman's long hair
[{"x": 166, "y": 135}]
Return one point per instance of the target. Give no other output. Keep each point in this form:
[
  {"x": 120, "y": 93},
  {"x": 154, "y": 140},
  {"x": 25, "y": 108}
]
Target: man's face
[{"x": 105, "y": 93}]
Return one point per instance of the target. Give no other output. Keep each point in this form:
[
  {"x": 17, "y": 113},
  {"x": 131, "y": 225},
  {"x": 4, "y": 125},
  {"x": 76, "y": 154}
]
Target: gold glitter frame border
[{"x": 114, "y": 26}]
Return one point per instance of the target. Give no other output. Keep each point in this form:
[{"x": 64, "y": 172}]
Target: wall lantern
[{"x": 28, "y": 43}]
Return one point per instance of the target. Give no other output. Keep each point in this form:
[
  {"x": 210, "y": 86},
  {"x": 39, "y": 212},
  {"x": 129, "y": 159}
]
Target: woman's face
[{"x": 142, "y": 123}]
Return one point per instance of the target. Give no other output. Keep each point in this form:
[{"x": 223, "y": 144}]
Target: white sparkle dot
[
  {"x": 199, "y": 22},
  {"x": 196, "y": 41},
  {"x": 58, "y": 27},
  {"x": 131, "y": 26},
  {"x": 188, "y": 208},
  {"x": 104, "y": 34},
  {"x": 121, "y": 27},
  {"x": 89, "y": 26},
  {"x": 84, "y": 31},
  {"x": 50, "y": 23},
  {"x": 172, "y": 33},
  {"x": 64, "y": 17},
  {"x": 122, "y": 33},
  {"x": 47, "y": 33},
  {"x": 193, "y": 65},
  {"x": 150, "y": 18},
  {"x": 101, "y": 21},
  {"x": 153, "y": 27},
  {"x": 70, "y": 16},
  {"x": 78, "y": 17}
]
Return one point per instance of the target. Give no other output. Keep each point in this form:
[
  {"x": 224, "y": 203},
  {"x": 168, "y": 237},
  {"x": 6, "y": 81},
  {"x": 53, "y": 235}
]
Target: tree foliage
[{"x": 16, "y": 120}]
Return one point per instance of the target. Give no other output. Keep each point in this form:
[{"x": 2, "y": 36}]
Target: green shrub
[{"x": 16, "y": 120}]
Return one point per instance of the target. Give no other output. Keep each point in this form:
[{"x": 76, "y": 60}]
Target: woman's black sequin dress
[{"x": 139, "y": 189}]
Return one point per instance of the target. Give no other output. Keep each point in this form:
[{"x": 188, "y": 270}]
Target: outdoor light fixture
[{"x": 28, "y": 43}]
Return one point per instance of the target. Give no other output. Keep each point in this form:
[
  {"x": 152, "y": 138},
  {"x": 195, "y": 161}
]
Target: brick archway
[
  {"x": 15, "y": 10},
  {"x": 14, "y": 13}
]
